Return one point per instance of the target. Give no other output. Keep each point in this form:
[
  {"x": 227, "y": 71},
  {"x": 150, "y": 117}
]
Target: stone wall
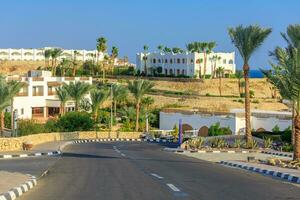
[{"x": 16, "y": 144}]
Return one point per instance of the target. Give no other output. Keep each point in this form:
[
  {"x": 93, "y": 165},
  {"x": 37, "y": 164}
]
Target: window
[
  {"x": 182, "y": 72},
  {"x": 183, "y": 60},
  {"x": 224, "y": 61},
  {"x": 171, "y": 71},
  {"x": 37, "y": 91},
  {"x": 37, "y": 112},
  {"x": 22, "y": 111},
  {"x": 178, "y": 60},
  {"x": 178, "y": 72},
  {"x": 171, "y": 61},
  {"x": 166, "y": 72},
  {"x": 230, "y": 61},
  {"x": 154, "y": 60},
  {"x": 51, "y": 90},
  {"x": 158, "y": 60},
  {"x": 166, "y": 60},
  {"x": 23, "y": 91},
  {"x": 192, "y": 61}
]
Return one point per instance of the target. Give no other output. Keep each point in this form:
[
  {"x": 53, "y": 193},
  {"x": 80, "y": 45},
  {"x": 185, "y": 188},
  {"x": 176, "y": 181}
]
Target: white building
[
  {"x": 188, "y": 64},
  {"x": 37, "y": 99},
  {"x": 38, "y": 54},
  {"x": 261, "y": 120}
]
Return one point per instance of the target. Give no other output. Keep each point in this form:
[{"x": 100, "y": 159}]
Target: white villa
[
  {"x": 199, "y": 122},
  {"x": 188, "y": 64},
  {"x": 37, "y": 99},
  {"x": 38, "y": 54}
]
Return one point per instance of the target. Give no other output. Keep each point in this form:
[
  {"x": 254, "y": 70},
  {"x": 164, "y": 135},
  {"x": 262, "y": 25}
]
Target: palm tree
[
  {"x": 285, "y": 77},
  {"x": 207, "y": 48},
  {"x": 65, "y": 64},
  {"x": 176, "y": 50},
  {"x": 4, "y": 100},
  {"x": 114, "y": 55},
  {"x": 220, "y": 74},
  {"x": 119, "y": 95},
  {"x": 76, "y": 91},
  {"x": 247, "y": 40},
  {"x": 167, "y": 50},
  {"x": 145, "y": 58},
  {"x": 214, "y": 60},
  {"x": 101, "y": 47},
  {"x": 147, "y": 102},
  {"x": 74, "y": 63},
  {"x": 55, "y": 53},
  {"x": 160, "y": 48},
  {"x": 47, "y": 55},
  {"x": 63, "y": 97},
  {"x": 139, "y": 88},
  {"x": 97, "y": 98},
  {"x": 239, "y": 76},
  {"x": 14, "y": 88}
]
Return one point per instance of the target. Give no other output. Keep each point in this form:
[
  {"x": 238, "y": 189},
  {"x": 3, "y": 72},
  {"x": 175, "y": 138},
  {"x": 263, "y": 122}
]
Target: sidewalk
[{"x": 10, "y": 180}]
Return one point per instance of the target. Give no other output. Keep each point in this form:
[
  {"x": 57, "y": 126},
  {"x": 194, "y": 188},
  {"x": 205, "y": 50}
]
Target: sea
[{"x": 255, "y": 73}]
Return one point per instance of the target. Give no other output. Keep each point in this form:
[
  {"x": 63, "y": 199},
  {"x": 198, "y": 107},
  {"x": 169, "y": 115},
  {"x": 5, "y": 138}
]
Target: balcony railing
[
  {"x": 37, "y": 78},
  {"x": 69, "y": 78},
  {"x": 38, "y": 94},
  {"x": 51, "y": 93},
  {"x": 22, "y": 94}
]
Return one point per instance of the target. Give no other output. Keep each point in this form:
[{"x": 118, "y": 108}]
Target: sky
[{"x": 129, "y": 24}]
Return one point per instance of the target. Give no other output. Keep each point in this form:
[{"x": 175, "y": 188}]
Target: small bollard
[{"x": 250, "y": 158}]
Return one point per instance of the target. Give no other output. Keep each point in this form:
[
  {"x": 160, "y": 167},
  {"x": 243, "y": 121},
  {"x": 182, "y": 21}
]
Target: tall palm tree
[
  {"x": 63, "y": 97},
  {"x": 97, "y": 98},
  {"x": 145, "y": 58},
  {"x": 285, "y": 75},
  {"x": 4, "y": 100},
  {"x": 207, "y": 48},
  {"x": 119, "y": 95},
  {"x": 239, "y": 76},
  {"x": 167, "y": 50},
  {"x": 65, "y": 65},
  {"x": 214, "y": 59},
  {"x": 220, "y": 74},
  {"x": 101, "y": 47},
  {"x": 77, "y": 91},
  {"x": 74, "y": 63},
  {"x": 139, "y": 88},
  {"x": 147, "y": 102},
  {"x": 247, "y": 40},
  {"x": 55, "y": 54},
  {"x": 160, "y": 48},
  {"x": 47, "y": 55},
  {"x": 14, "y": 88},
  {"x": 114, "y": 55}
]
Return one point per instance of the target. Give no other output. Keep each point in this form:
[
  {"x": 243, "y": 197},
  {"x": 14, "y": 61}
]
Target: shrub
[
  {"x": 207, "y": 94},
  {"x": 255, "y": 101},
  {"x": 267, "y": 142},
  {"x": 252, "y": 144},
  {"x": 237, "y": 143},
  {"x": 252, "y": 94},
  {"x": 27, "y": 127},
  {"x": 287, "y": 147},
  {"x": 51, "y": 126},
  {"x": 276, "y": 129},
  {"x": 199, "y": 142},
  {"x": 287, "y": 135},
  {"x": 218, "y": 143},
  {"x": 241, "y": 101},
  {"x": 215, "y": 130},
  {"x": 7, "y": 120},
  {"x": 75, "y": 121},
  {"x": 242, "y": 95}
]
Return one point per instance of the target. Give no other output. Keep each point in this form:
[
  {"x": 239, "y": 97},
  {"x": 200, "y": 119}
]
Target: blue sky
[{"x": 129, "y": 24}]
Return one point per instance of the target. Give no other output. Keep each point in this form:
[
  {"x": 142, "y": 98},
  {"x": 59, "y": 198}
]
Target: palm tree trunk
[
  {"x": 247, "y": 103},
  {"x": 137, "y": 117},
  {"x": 239, "y": 87},
  {"x": 204, "y": 70},
  {"x": 115, "y": 108},
  {"x": 220, "y": 86},
  {"x": 297, "y": 138},
  {"x": 76, "y": 105},
  {"x": 2, "y": 122},
  {"x": 293, "y": 123},
  {"x": 12, "y": 115}
]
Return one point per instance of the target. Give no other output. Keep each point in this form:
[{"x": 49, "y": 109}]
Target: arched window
[
  {"x": 178, "y": 72},
  {"x": 154, "y": 60},
  {"x": 171, "y": 61},
  {"x": 170, "y": 71},
  {"x": 166, "y": 72},
  {"x": 158, "y": 60},
  {"x": 230, "y": 61},
  {"x": 224, "y": 61},
  {"x": 182, "y": 72},
  {"x": 166, "y": 60},
  {"x": 178, "y": 60},
  {"x": 192, "y": 61},
  {"x": 183, "y": 60}
]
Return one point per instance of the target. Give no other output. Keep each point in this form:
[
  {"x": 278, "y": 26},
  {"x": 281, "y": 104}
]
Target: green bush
[
  {"x": 7, "y": 120},
  {"x": 287, "y": 147},
  {"x": 286, "y": 135},
  {"x": 75, "y": 121},
  {"x": 252, "y": 94},
  {"x": 28, "y": 127},
  {"x": 51, "y": 126},
  {"x": 276, "y": 129},
  {"x": 218, "y": 143},
  {"x": 215, "y": 130}
]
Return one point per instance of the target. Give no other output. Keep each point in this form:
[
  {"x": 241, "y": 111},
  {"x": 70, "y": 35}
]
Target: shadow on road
[{"x": 80, "y": 155}]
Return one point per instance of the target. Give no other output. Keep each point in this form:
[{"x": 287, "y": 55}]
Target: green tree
[
  {"x": 239, "y": 76},
  {"x": 47, "y": 55},
  {"x": 119, "y": 95},
  {"x": 55, "y": 54},
  {"x": 147, "y": 102},
  {"x": 160, "y": 48},
  {"x": 206, "y": 48},
  {"x": 220, "y": 74},
  {"x": 145, "y": 58},
  {"x": 98, "y": 96},
  {"x": 139, "y": 88},
  {"x": 247, "y": 40},
  {"x": 4, "y": 100},
  {"x": 77, "y": 91},
  {"x": 63, "y": 97},
  {"x": 285, "y": 75},
  {"x": 101, "y": 47},
  {"x": 214, "y": 59}
]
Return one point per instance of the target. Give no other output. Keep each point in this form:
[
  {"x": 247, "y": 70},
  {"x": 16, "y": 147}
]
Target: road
[{"x": 135, "y": 171}]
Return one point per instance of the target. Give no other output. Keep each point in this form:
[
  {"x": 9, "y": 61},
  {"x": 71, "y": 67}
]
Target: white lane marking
[
  {"x": 173, "y": 187},
  {"x": 122, "y": 154},
  {"x": 157, "y": 176}
]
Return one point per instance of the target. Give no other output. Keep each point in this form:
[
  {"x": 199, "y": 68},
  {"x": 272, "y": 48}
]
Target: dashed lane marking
[
  {"x": 157, "y": 176},
  {"x": 173, "y": 187}
]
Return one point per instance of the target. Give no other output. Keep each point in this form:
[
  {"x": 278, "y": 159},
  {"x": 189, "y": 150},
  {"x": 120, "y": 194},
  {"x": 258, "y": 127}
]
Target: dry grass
[{"x": 18, "y": 67}]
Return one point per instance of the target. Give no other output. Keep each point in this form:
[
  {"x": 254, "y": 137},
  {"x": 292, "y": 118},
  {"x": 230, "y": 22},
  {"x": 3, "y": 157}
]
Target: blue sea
[{"x": 256, "y": 74}]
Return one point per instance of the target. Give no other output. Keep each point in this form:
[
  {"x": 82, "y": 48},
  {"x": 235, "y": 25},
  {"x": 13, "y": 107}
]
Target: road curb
[
  {"x": 106, "y": 140},
  {"x": 50, "y": 153},
  {"x": 285, "y": 176},
  {"x": 20, "y": 190},
  {"x": 208, "y": 151},
  {"x": 277, "y": 153}
]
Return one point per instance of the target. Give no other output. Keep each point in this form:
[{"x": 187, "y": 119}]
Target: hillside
[{"x": 18, "y": 67}]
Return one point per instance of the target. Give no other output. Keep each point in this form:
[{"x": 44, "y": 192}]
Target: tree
[
  {"x": 176, "y": 50},
  {"x": 65, "y": 65},
  {"x": 139, "y": 88},
  {"x": 220, "y": 74},
  {"x": 47, "y": 55},
  {"x": 4, "y": 100},
  {"x": 214, "y": 60},
  {"x": 119, "y": 95},
  {"x": 145, "y": 58},
  {"x": 247, "y": 40},
  {"x": 160, "y": 48},
  {"x": 63, "y": 97},
  {"x": 285, "y": 75},
  {"x": 239, "y": 76},
  {"x": 167, "y": 50},
  {"x": 77, "y": 91},
  {"x": 55, "y": 53},
  {"x": 114, "y": 55},
  {"x": 206, "y": 48},
  {"x": 147, "y": 102},
  {"x": 101, "y": 48},
  {"x": 98, "y": 96},
  {"x": 74, "y": 63}
]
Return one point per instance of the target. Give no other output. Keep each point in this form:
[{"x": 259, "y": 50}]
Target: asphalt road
[{"x": 135, "y": 171}]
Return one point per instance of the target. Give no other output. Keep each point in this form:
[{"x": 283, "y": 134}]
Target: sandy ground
[
  {"x": 18, "y": 67},
  {"x": 10, "y": 180}
]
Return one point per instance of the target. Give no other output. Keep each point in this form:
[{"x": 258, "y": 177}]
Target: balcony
[
  {"x": 37, "y": 79},
  {"x": 38, "y": 94},
  {"x": 22, "y": 94},
  {"x": 51, "y": 93},
  {"x": 69, "y": 78}
]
